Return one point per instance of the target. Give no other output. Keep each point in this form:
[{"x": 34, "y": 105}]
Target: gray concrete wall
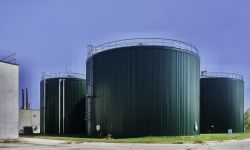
[
  {"x": 29, "y": 118},
  {"x": 9, "y": 75}
]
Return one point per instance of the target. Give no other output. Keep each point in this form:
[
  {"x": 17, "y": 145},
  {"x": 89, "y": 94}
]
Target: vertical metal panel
[
  {"x": 144, "y": 90},
  {"x": 42, "y": 124},
  {"x": 74, "y": 101},
  {"x": 222, "y": 105}
]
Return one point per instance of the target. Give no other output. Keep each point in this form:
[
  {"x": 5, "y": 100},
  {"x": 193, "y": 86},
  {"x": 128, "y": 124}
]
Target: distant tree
[{"x": 247, "y": 121}]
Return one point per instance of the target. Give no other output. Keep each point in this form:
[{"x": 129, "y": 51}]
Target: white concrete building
[
  {"x": 9, "y": 75},
  {"x": 29, "y": 118}
]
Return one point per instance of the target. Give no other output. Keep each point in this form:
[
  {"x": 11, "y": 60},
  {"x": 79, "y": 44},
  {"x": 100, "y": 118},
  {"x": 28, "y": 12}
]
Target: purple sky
[{"x": 48, "y": 35}]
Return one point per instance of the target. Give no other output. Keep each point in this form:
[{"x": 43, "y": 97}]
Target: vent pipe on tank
[
  {"x": 63, "y": 102},
  {"x": 27, "y": 99},
  {"x": 59, "y": 107}
]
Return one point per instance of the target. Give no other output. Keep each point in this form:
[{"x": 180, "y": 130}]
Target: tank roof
[
  {"x": 205, "y": 74},
  {"x": 142, "y": 42},
  {"x": 68, "y": 74}
]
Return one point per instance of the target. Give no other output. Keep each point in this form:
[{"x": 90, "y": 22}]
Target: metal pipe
[
  {"x": 22, "y": 107},
  {"x": 59, "y": 129},
  {"x": 44, "y": 97},
  {"x": 63, "y": 102},
  {"x": 27, "y": 99}
]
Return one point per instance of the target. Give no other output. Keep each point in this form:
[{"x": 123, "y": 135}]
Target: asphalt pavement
[{"x": 44, "y": 144}]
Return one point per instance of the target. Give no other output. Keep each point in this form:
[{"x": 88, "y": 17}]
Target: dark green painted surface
[
  {"x": 144, "y": 90},
  {"x": 222, "y": 105},
  {"x": 74, "y": 106}
]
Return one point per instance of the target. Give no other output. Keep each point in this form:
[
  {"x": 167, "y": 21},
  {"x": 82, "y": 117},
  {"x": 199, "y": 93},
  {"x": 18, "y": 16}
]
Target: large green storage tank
[
  {"x": 222, "y": 102},
  {"x": 143, "y": 87},
  {"x": 63, "y": 96}
]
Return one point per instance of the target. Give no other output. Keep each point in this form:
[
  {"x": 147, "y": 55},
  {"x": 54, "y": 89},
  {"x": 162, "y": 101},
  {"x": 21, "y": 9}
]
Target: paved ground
[{"x": 42, "y": 144}]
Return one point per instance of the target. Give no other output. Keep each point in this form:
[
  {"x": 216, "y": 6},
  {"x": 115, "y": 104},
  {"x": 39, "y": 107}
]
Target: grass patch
[
  {"x": 151, "y": 139},
  {"x": 9, "y": 141},
  {"x": 178, "y": 142},
  {"x": 198, "y": 141}
]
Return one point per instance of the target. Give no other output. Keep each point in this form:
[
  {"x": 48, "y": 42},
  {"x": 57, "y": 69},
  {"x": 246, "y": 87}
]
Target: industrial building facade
[
  {"x": 29, "y": 118},
  {"x": 9, "y": 76},
  {"x": 143, "y": 88}
]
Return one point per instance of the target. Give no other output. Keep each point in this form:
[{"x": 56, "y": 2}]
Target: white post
[
  {"x": 59, "y": 131},
  {"x": 63, "y": 102}
]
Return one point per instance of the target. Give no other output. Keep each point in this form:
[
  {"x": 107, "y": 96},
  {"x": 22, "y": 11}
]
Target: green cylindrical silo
[
  {"x": 142, "y": 87},
  {"x": 64, "y": 101},
  {"x": 222, "y": 103}
]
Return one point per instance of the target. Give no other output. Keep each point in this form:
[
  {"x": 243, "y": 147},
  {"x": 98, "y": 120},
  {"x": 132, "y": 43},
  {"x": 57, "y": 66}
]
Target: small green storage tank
[
  {"x": 63, "y": 96},
  {"x": 142, "y": 87},
  {"x": 222, "y": 103}
]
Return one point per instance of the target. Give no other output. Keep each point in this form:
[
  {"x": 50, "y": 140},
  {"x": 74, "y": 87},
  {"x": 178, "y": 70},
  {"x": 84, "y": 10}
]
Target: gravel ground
[{"x": 43, "y": 144}]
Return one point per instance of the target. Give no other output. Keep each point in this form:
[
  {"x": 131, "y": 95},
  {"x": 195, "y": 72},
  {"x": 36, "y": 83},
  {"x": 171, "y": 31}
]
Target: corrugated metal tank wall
[
  {"x": 74, "y": 106},
  {"x": 144, "y": 90},
  {"x": 222, "y": 105}
]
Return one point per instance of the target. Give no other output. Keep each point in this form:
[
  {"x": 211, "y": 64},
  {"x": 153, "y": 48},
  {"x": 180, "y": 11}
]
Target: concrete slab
[{"x": 33, "y": 143}]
